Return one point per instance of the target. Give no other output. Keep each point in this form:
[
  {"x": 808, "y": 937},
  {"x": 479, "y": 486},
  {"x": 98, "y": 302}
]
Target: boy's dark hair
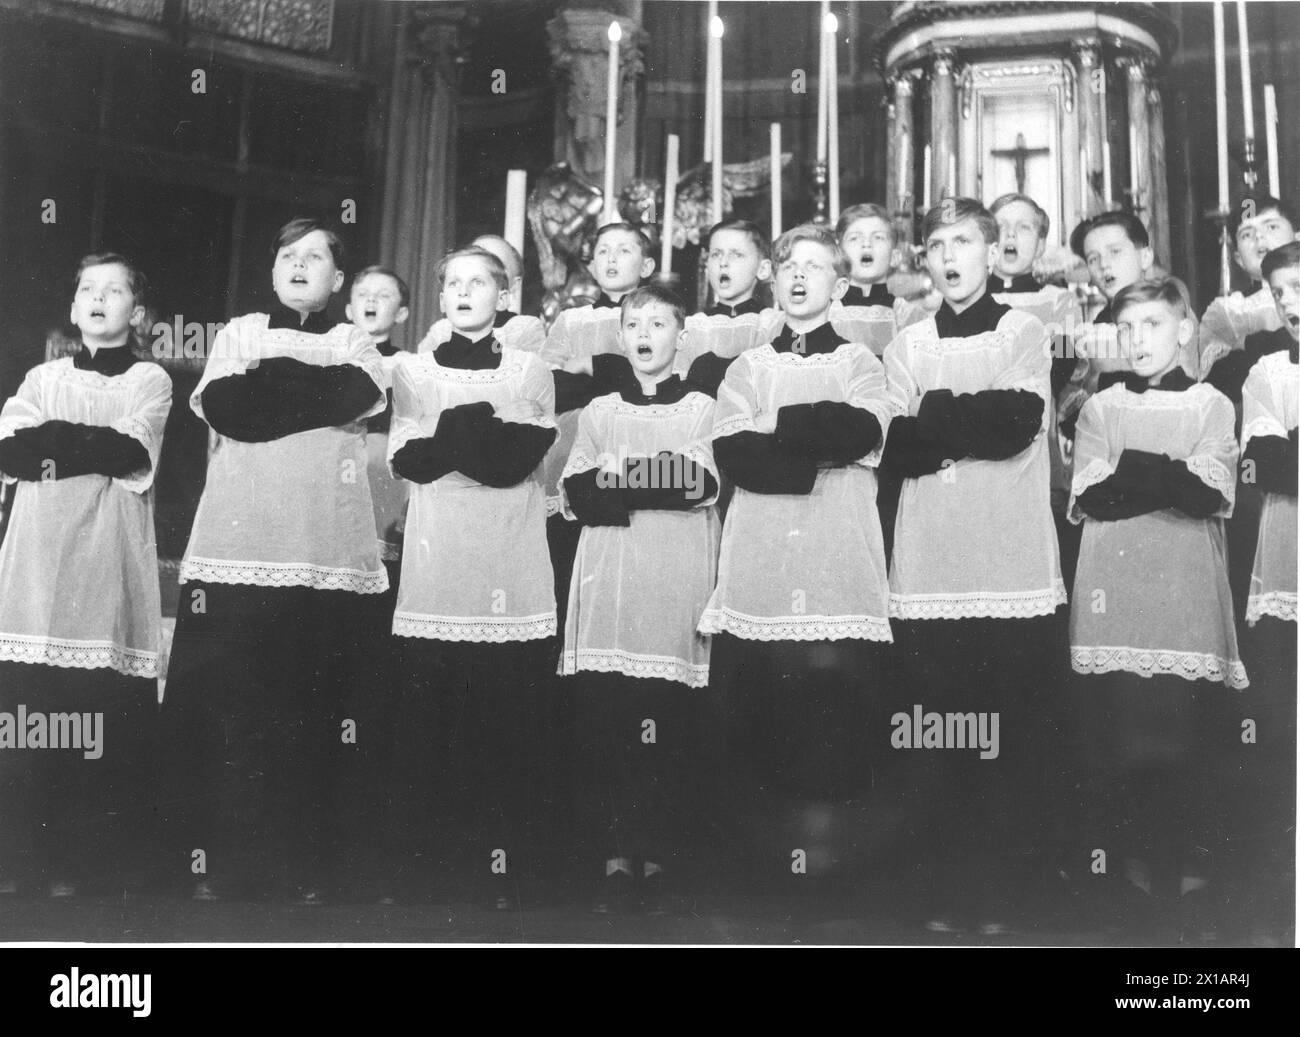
[
  {"x": 1134, "y": 229},
  {"x": 1280, "y": 258},
  {"x": 647, "y": 249},
  {"x": 298, "y": 228},
  {"x": 746, "y": 227},
  {"x": 404, "y": 293},
  {"x": 654, "y": 293},
  {"x": 1169, "y": 290},
  {"x": 495, "y": 265},
  {"x": 1044, "y": 221},
  {"x": 1256, "y": 205},
  {"x": 135, "y": 279},
  {"x": 864, "y": 211},
  {"x": 818, "y": 235},
  {"x": 954, "y": 210}
]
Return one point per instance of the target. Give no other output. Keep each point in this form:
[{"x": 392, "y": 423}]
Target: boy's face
[
  {"x": 735, "y": 266},
  {"x": 869, "y": 244},
  {"x": 959, "y": 260},
  {"x": 103, "y": 306},
  {"x": 806, "y": 281},
  {"x": 618, "y": 264},
  {"x": 1285, "y": 286},
  {"x": 375, "y": 305},
  {"x": 470, "y": 295},
  {"x": 1151, "y": 334},
  {"x": 651, "y": 337},
  {"x": 1258, "y": 237},
  {"x": 1019, "y": 243},
  {"x": 304, "y": 275},
  {"x": 1114, "y": 262}
]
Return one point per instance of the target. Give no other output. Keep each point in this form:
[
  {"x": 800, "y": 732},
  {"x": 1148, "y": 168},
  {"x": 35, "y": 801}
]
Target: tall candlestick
[
  {"x": 670, "y": 204},
  {"x": 951, "y": 187},
  {"x": 709, "y": 114},
  {"x": 716, "y": 30},
  {"x": 1247, "y": 98},
  {"x": 1221, "y": 104},
  {"x": 925, "y": 180},
  {"x": 833, "y": 114},
  {"x": 516, "y": 192},
  {"x": 611, "y": 122},
  {"x": 775, "y": 176},
  {"x": 1105, "y": 138},
  {"x": 1133, "y": 164},
  {"x": 1270, "y": 136},
  {"x": 823, "y": 87},
  {"x": 904, "y": 161},
  {"x": 1083, "y": 183}
]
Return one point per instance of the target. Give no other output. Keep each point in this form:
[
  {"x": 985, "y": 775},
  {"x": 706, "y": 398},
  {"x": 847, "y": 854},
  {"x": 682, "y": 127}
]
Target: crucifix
[{"x": 1020, "y": 156}]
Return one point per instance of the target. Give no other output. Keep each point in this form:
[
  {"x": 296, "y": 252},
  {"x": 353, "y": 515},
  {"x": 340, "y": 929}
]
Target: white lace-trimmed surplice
[
  {"x": 1268, "y": 408},
  {"x": 803, "y": 567},
  {"x": 475, "y": 565},
  {"x": 577, "y": 333},
  {"x": 639, "y": 590},
  {"x": 725, "y": 336},
  {"x": 295, "y": 511},
  {"x": 79, "y": 564},
  {"x": 976, "y": 539},
  {"x": 874, "y": 325},
  {"x": 1151, "y": 592},
  {"x": 1228, "y": 320},
  {"x": 522, "y": 332}
]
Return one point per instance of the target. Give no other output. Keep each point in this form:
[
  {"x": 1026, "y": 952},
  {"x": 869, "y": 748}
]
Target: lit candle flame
[
  {"x": 830, "y": 23},
  {"x": 615, "y": 32},
  {"x": 715, "y": 28}
]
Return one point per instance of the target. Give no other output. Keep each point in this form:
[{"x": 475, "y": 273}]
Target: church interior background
[{"x": 183, "y": 132}]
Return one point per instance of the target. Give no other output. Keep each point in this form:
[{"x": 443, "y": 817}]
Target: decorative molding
[
  {"x": 146, "y": 10},
  {"x": 439, "y": 39},
  {"x": 303, "y": 25}
]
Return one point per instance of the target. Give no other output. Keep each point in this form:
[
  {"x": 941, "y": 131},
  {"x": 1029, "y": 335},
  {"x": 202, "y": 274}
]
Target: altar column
[
  {"x": 1088, "y": 55},
  {"x": 943, "y": 125},
  {"x": 1159, "y": 226},
  {"x": 419, "y": 217},
  {"x": 579, "y": 42}
]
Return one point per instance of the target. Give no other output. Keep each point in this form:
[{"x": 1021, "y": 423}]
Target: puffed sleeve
[
  {"x": 151, "y": 402},
  {"x": 1093, "y": 464},
  {"x": 1218, "y": 334},
  {"x": 21, "y": 455},
  {"x": 843, "y": 432},
  {"x": 1268, "y": 447},
  {"x": 753, "y": 460},
  {"x": 907, "y": 450},
  {"x": 411, "y": 454},
  {"x": 558, "y": 347},
  {"x": 590, "y": 486},
  {"x": 524, "y": 333},
  {"x": 1213, "y": 460}
]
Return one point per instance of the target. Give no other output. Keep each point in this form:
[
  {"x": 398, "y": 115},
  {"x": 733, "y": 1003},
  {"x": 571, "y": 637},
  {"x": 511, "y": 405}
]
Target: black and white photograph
[{"x": 673, "y": 473}]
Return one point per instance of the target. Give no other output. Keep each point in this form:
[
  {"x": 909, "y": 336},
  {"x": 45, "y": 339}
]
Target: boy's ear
[
  {"x": 402, "y": 313},
  {"x": 1146, "y": 259},
  {"x": 895, "y": 258},
  {"x": 647, "y": 267},
  {"x": 1042, "y": 247},
  {"x": 137, "y": 316},
  {"x": 992, "y": 257},
  {"x": 841, "y": 286},
  {"x": 1186, "y": 329},
  {"x": 503, "y": 300},
  {"x": 338, "y": 281},
  {"x": 764, "y": 270}
]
